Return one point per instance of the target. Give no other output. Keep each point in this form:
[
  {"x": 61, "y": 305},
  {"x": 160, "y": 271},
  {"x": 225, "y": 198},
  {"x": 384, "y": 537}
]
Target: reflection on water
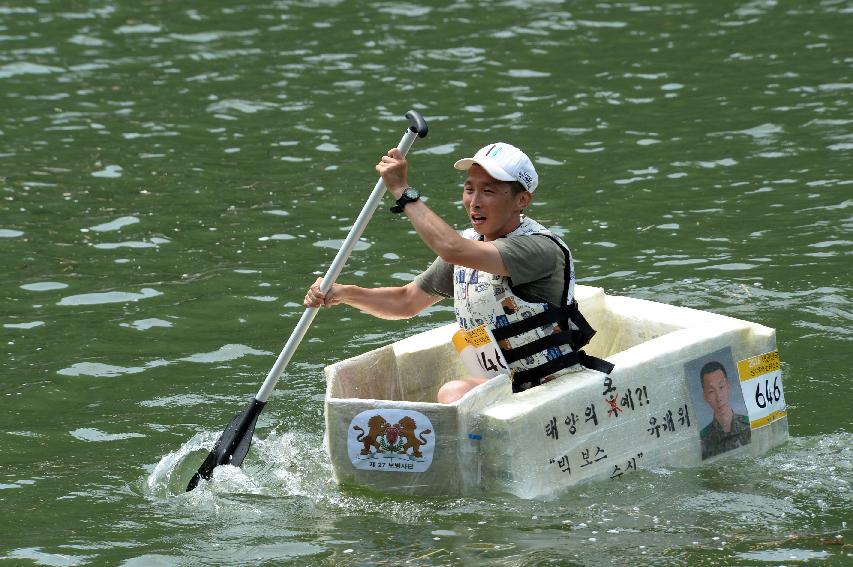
[
  {"x": 173, "y": 176},
  {"x": 108, "y": 297},
  {"x": 44, "y": 286},
  {"x": 145, "y": 324},
  {"x": 224, "y": 353},
  {"x": 89, "y": 434}
]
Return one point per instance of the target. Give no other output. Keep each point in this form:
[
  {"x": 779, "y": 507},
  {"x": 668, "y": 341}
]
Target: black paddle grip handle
[{"x": 417, "y": 123}]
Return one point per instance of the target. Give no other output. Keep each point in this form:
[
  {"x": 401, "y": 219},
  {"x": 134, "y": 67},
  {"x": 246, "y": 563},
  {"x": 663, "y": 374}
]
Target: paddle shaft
[
  {"x": 233, "y": 445},
  {"x": 331, "y": 275}
]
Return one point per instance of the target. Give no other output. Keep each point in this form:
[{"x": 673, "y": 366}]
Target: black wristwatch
[{"x": 410, "y": 195}]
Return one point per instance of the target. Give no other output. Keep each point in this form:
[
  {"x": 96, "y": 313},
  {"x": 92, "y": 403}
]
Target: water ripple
[
  {"x": 116, "y": 224},
  {"x": 44, "y": 286},
  {"x": 109, "y": 297},
  {"x": 91, "y": 434},
  {"x": 225, "y": 353}
]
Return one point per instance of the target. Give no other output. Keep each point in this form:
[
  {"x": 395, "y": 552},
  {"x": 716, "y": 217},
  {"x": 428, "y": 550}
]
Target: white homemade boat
[{"x": 385, "y": 431}]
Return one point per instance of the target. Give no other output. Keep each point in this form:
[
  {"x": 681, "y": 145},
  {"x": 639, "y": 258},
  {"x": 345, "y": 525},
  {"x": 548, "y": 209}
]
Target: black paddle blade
[{"x": 232, "y": 446}]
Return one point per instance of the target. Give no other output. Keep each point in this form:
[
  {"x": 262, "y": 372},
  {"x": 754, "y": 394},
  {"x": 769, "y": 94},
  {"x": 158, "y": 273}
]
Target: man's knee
[{"x": 455, "y": 389}]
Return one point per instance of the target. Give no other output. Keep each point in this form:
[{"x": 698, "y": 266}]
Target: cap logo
[
  {"x": 494, "y": 150},
  {"x": 525, "y": 178}
]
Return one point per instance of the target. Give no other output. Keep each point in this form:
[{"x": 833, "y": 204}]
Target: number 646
[{"x": 768, "y": 396}]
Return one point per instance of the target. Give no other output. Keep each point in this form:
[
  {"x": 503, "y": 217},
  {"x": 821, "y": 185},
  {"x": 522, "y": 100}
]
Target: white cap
[{"x": 504, "y": 162}]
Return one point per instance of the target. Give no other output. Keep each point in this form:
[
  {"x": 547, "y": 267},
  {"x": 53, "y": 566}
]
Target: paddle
[{"x": 233, "y": 445}]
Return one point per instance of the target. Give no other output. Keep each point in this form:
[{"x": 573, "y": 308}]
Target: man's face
[
  {"x": 490, "y": 204},
  {"x": 715, "y": 390}
]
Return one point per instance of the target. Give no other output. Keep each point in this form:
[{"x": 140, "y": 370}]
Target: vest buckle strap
[
  {"x": 525, "y": 325},
  {"x": 560, "y": 315},
  {"x": 585, "y": 330},
  {"x": 534, "y": 376},
  {"x": 548, "y": 341},
  {"x": 595, "y": 363}
]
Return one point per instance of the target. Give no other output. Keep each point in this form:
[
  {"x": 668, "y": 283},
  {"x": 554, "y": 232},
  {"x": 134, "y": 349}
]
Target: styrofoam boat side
[{"x": 581, "y": 426}]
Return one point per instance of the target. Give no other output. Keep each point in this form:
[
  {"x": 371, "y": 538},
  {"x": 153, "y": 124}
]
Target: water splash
[
  {"x": 287, "y": 464},
  {"x": 170, "y": 475}
]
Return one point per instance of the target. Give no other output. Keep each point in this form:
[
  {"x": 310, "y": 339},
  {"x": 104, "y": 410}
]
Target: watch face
[{"x": 411, "y": 193}]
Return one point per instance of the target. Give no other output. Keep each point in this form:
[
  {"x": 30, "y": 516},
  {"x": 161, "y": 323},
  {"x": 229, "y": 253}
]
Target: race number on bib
[
  {"x": 480, "y": 352},
  {"x": 761, "y": 384}
]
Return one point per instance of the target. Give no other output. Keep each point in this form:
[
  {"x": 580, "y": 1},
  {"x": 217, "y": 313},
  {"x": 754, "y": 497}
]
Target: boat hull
[{"x": 649, "y": 412}]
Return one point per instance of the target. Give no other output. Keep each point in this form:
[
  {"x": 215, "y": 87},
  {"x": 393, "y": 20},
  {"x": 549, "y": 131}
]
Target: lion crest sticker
[{"x": 391, "y": 440}]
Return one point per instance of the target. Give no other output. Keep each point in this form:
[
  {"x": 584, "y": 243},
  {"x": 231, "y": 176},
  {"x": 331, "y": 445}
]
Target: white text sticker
[
  {"x": 391, "y": 440},
  {"x": 761, "y": 383},
  {"x": 480, "y": 353}
]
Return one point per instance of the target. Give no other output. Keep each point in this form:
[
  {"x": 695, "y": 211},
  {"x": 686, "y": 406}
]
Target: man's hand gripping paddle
[{"x": 233, "y": 445}]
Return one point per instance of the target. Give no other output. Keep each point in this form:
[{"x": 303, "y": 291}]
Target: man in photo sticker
[{"x": 727, "y": 429}]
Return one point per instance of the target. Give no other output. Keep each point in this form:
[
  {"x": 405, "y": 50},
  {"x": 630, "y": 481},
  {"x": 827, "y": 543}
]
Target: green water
[{"x": 173, "y": 175}]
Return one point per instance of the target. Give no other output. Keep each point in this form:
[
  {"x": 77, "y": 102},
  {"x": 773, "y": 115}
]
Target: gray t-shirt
[{"x": 535, "y": 263}]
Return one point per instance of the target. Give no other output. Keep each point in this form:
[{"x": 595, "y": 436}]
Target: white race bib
[
  {"x": 761, "y": 383},
  {"x": 480, "y": 352}
]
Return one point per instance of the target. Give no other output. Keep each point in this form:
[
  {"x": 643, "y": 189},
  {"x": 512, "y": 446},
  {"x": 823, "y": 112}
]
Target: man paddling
[{"x": 507, "y": 274}]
